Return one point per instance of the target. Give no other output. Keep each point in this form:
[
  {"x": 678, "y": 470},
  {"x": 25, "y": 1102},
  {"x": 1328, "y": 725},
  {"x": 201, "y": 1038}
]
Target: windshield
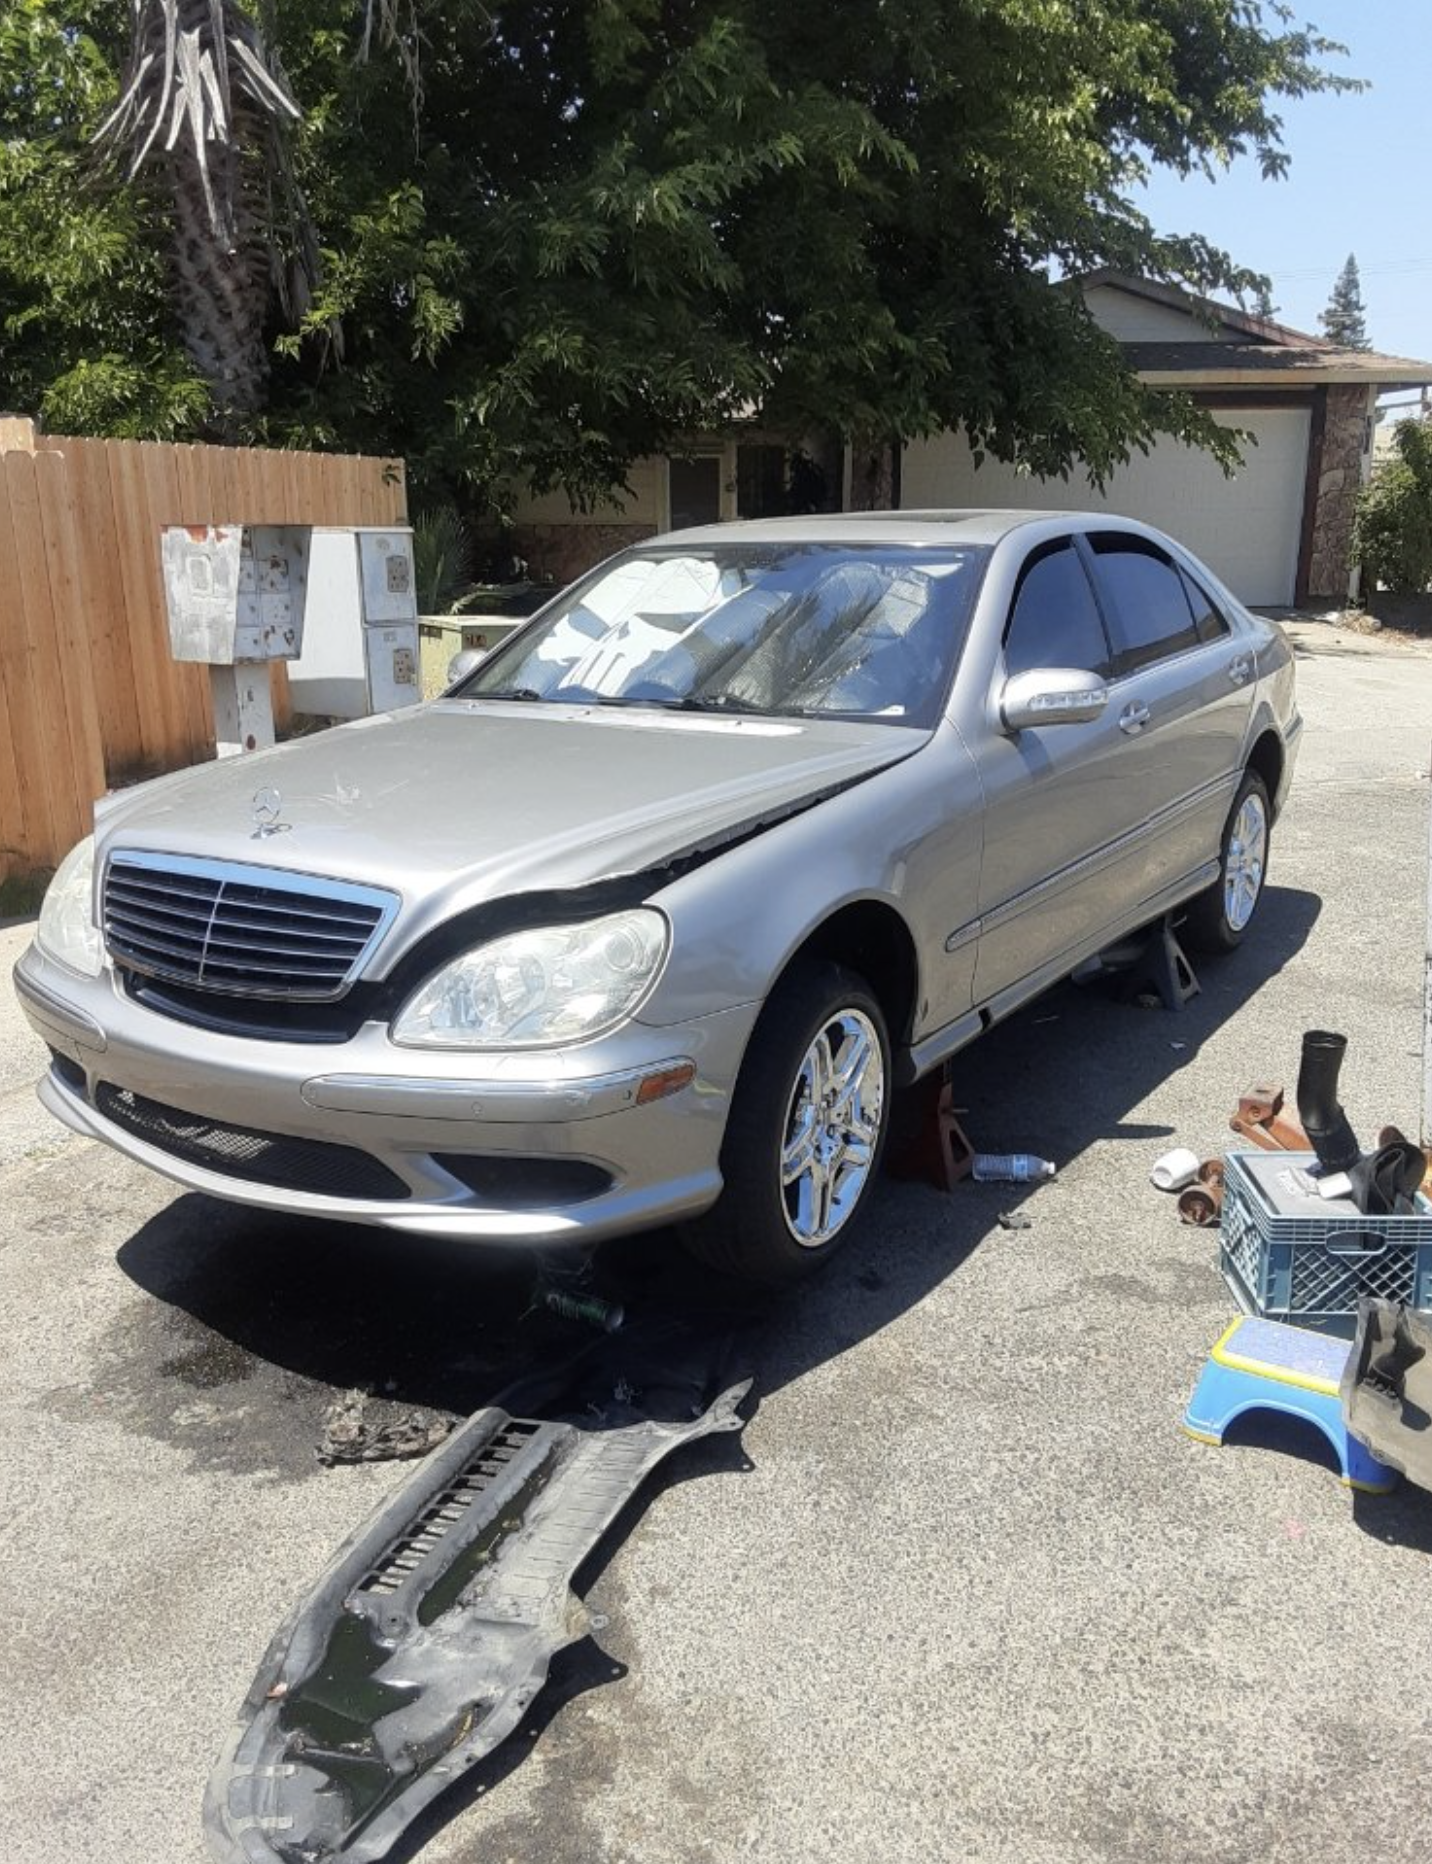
[{"x": 801, "y": 629}]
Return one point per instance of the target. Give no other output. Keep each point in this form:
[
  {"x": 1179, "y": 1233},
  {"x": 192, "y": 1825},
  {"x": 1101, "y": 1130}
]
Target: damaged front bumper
[{"x": 543, "y": 1146}]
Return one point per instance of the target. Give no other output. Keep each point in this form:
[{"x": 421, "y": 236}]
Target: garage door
[{"x": 1245, "y": 528}]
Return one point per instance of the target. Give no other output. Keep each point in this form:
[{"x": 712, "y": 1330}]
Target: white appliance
[{"x": 360, "y": 637}]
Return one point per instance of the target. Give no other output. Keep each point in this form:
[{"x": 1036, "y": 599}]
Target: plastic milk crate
[{"x": 1291, "y": 1255}]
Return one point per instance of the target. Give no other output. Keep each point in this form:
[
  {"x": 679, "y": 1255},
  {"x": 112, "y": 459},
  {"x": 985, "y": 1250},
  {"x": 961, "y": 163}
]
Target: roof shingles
[{"x": 1273, "y": 362}]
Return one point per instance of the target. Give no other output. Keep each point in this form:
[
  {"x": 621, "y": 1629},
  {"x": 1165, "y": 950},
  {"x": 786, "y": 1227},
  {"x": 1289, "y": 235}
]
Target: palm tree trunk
[
  {"x": 222, "y": 286},
  {"x": 202, "y": 101}
]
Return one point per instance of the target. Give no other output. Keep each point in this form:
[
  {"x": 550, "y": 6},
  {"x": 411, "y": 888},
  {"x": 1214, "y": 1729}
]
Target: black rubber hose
[{"x": 1323, "y": 1119}]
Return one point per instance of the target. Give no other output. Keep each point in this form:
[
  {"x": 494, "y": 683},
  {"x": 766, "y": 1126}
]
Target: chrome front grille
[{"x": 246, "y": 931}]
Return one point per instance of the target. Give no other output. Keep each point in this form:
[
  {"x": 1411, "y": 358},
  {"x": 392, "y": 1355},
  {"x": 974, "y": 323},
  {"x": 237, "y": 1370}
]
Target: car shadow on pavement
[
  {"x": 440, "y": 1325},
  {"x": 316, "y": 1308}
]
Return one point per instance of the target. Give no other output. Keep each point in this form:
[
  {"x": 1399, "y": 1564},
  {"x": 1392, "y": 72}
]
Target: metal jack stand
[
  {"x": 934, "y": 1148},
  {"x": 1161, "y": 965}
]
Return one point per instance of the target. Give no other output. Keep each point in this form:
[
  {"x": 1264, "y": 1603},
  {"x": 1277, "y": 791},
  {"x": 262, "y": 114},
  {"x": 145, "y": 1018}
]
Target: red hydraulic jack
[{"x": 930, "y": 1145}]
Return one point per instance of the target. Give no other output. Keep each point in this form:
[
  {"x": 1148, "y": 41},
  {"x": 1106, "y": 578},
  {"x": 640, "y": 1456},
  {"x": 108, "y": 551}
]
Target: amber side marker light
[{"x": 665, "y": 1081}]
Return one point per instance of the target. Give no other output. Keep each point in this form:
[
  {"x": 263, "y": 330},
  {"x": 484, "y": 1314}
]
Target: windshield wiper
[
  {"x": 714, "y": 702},
  {"x": 561, "y": 696}
]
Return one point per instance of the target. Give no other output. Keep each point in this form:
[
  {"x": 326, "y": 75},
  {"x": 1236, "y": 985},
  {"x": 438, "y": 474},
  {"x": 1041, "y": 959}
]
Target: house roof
[
  {"x": 1191, "y": 365},
  {"x": 1206, "y": 310},
  {"x": 1240, "y": 350}
]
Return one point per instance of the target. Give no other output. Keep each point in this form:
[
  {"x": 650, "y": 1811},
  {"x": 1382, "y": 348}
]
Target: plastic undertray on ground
[
  {"x": 1288, "y": 1254},
  {"x": 421, "y": 1647}
]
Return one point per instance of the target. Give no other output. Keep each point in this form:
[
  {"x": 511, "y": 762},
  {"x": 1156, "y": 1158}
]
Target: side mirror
[
  {"x": 462, "y": 664},
  {"x": 1051, "y": 696}
]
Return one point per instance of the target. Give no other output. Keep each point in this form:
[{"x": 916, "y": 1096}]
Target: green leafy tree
[
  {"x": 1392, "y": 533},
  {"x": 552, "y": 237},
  {"x": 1262, "y": 301},
  {"x": 1345, "y": 319},
  {"x": 87, "y": 341}
]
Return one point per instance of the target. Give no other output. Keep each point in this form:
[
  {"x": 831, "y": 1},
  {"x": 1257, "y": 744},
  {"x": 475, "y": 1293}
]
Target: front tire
[
  {"x": 806, "y": 1130},
  {"x": 1218, "y": 919}
]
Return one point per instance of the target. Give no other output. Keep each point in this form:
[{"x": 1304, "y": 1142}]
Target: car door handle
[
  {"x": 1133, "y": 718},
  {"x": 1240, "y": 669}
]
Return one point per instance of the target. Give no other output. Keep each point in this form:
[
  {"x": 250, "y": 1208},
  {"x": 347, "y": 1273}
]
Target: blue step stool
[{"x": 1262, "y": 1365}]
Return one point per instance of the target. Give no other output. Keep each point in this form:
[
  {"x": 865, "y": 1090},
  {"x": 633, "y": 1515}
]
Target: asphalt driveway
[{"x": 962, "y": 1592}]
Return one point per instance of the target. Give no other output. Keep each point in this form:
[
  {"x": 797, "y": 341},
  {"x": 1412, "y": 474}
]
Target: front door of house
[{"x": 695, "y": 490}]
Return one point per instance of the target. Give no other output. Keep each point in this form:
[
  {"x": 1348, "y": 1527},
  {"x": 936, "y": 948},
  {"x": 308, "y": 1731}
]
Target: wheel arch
[
  {"x": 871, "y": 938},
  {"x": 1268, "y": 760}
]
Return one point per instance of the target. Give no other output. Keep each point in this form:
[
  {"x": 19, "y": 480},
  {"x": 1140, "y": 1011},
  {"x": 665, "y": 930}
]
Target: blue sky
[{"x": 1357, "y": 183}]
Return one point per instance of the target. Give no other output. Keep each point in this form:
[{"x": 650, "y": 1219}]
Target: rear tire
[
  {"x": 1218, "y": 919},
  {"x": 806, "y": 1131}
]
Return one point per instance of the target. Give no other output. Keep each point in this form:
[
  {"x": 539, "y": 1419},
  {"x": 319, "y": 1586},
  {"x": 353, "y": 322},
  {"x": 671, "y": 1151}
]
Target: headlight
[
  {"x": 67, "y": 930},
  {"x": 552, "y": 984}
]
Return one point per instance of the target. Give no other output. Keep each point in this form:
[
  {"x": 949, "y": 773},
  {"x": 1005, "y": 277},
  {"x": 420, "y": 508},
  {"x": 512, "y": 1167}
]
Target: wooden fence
[{"x": 89, "y": 695}]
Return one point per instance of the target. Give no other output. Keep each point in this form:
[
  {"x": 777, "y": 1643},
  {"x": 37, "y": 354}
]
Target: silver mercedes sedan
[{"x": 645, "y": 919}]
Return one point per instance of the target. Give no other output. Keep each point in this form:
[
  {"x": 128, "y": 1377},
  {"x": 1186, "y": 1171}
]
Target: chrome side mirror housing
[
  {"x": 463, "y": 663},
  {"x": 1051, "y": 696}
]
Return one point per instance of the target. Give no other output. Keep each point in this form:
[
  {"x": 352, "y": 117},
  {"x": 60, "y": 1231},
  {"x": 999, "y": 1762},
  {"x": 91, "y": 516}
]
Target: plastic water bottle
[{"x": 1011, "y": 1168}]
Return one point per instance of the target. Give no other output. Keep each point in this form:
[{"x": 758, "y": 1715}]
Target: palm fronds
[
  {"x": 442, "y": 558},
  {"x": 194, "y": 64}
]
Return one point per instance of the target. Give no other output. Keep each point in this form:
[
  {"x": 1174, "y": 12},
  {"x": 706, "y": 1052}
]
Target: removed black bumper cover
[
  {"x": 423, "y": 1644},
  {"x": 1387, "y": 1387}
]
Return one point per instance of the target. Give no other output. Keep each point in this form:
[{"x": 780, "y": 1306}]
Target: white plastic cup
[{"x": 1175, "y": 1170}]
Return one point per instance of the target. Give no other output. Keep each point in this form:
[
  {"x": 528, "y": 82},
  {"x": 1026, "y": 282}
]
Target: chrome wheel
[
  {"x": 833, "y": 1127},
  {"x": 1244, "y": 863}
]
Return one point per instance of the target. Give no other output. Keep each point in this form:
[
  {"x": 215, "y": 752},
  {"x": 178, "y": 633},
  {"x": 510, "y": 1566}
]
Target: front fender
[{"x": 909, "y": 837}]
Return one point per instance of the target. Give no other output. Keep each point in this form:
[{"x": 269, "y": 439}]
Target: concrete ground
[{"x": 963, "y": 1592}]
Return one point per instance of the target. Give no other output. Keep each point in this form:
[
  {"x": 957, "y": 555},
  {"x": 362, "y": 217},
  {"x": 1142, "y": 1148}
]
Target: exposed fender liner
[{"x": 421, "y": 1647}]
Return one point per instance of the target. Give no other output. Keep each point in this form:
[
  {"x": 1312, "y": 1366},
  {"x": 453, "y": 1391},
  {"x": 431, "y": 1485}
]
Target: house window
[{"x": 695, "y": 490}]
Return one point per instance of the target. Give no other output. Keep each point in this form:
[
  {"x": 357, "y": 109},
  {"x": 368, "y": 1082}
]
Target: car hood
[{"x": 461, "y": 801}]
